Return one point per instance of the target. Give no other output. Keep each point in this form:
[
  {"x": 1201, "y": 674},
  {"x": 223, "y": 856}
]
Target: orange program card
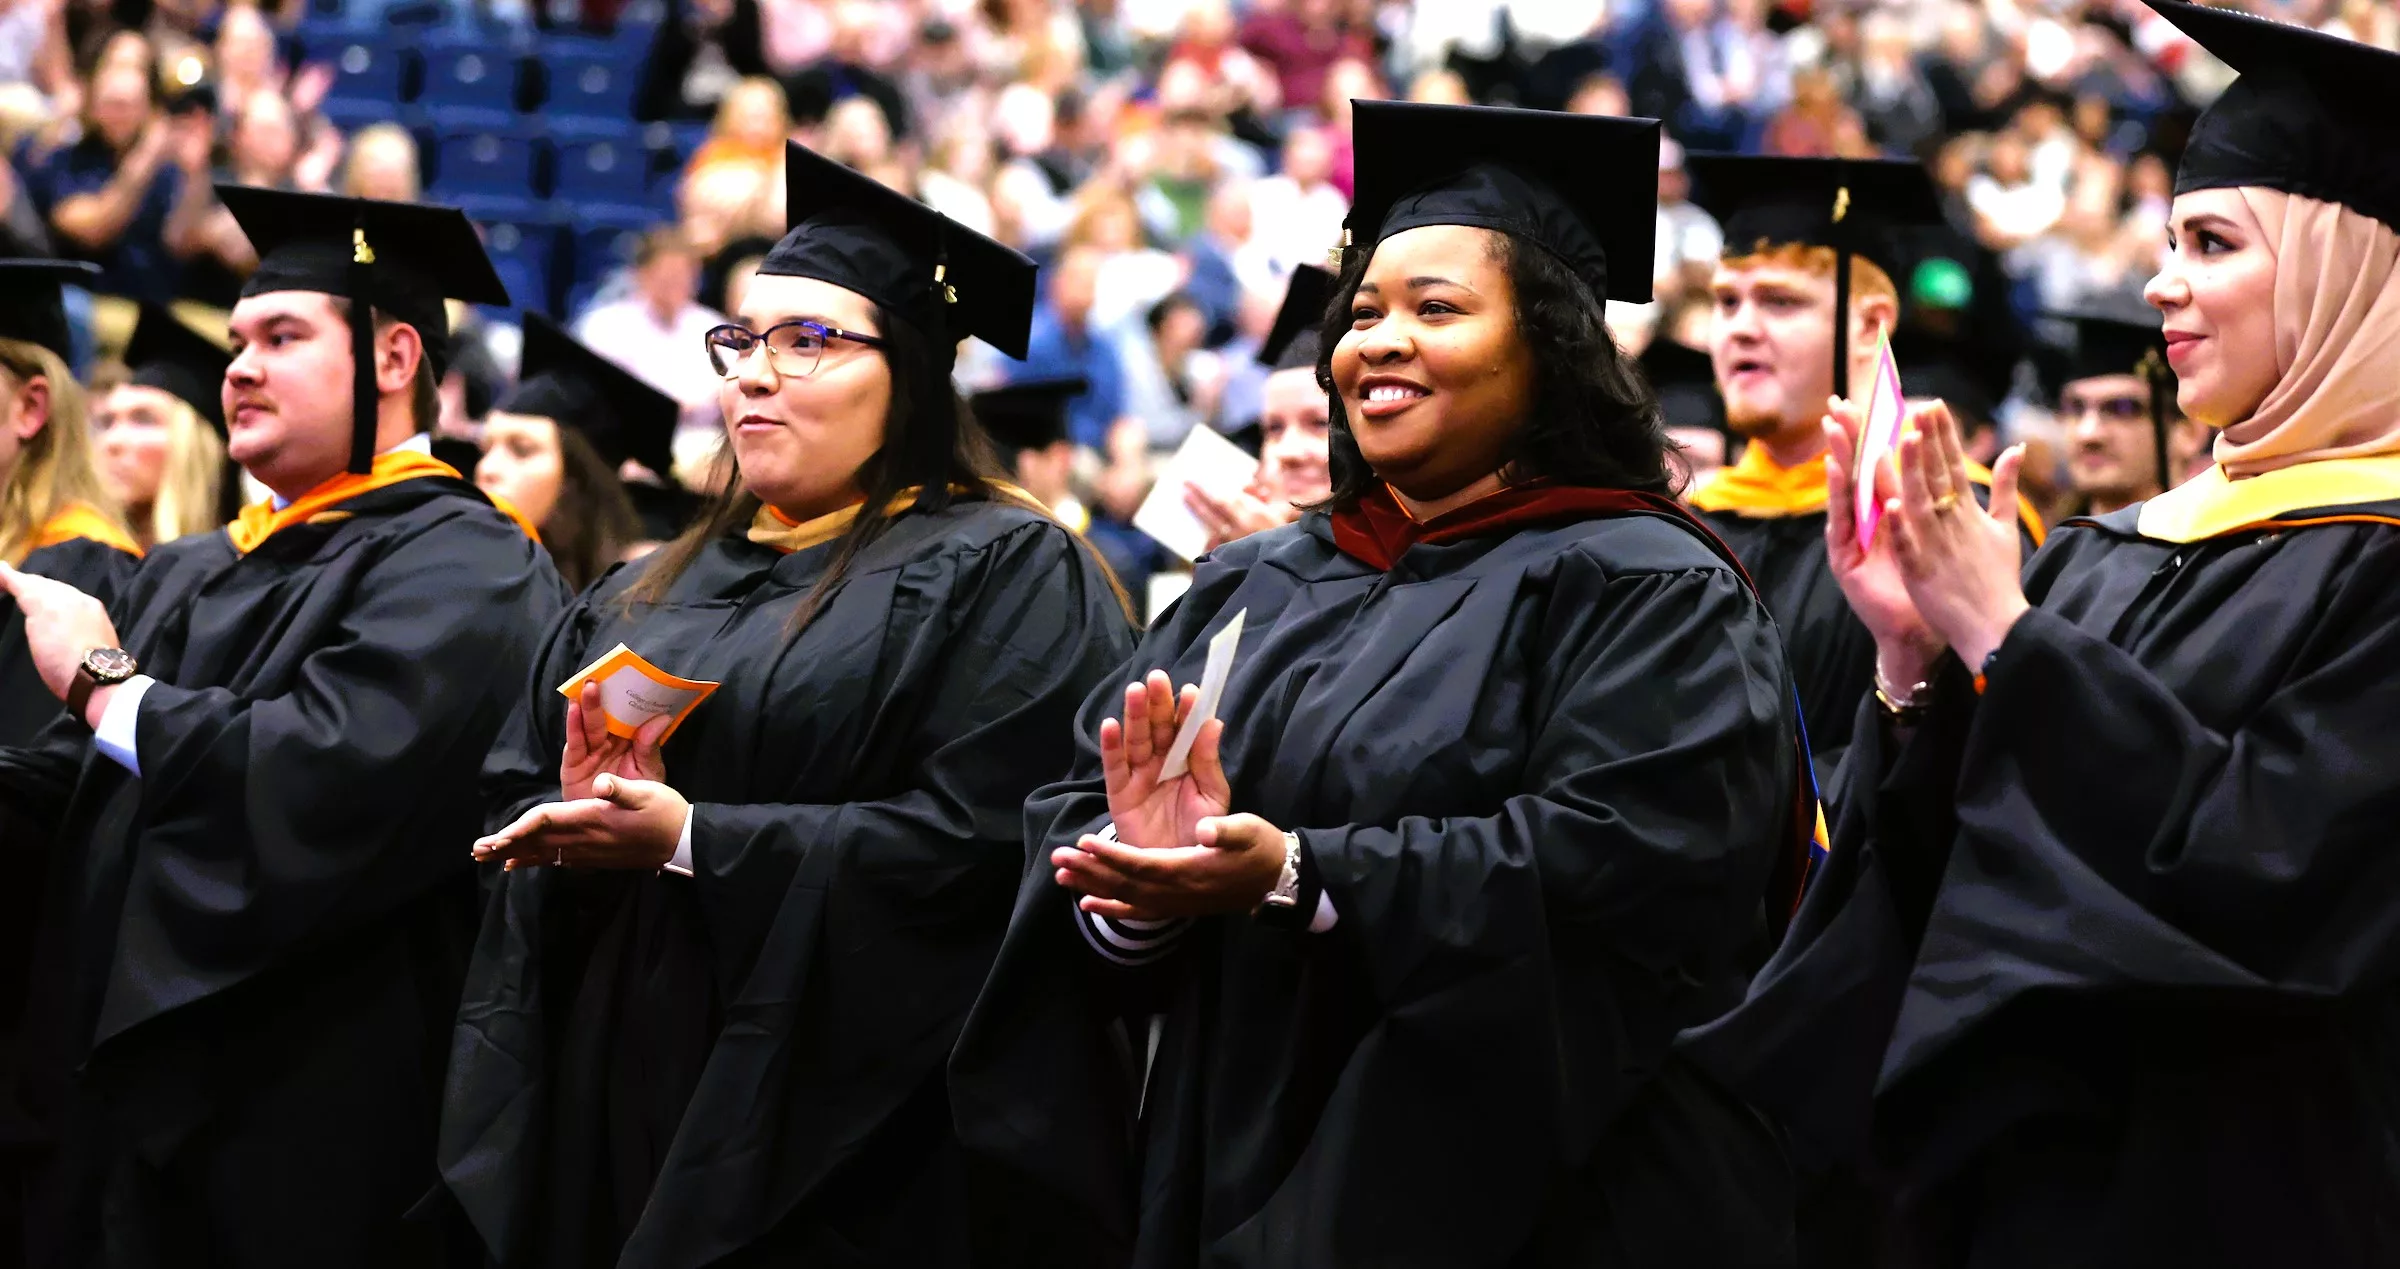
[{"x": 633, "y": 691}]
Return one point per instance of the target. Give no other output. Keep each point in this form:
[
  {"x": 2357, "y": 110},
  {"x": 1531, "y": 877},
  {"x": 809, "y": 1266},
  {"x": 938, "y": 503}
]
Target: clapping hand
[
  {"x": 1177, "y": 852},
  {"x": 1960, "y": 561},
  {"x": 1870, "y": 577}
]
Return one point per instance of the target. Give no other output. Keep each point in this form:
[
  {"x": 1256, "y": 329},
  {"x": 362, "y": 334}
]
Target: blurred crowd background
[{"x": 1167, "y": 161}]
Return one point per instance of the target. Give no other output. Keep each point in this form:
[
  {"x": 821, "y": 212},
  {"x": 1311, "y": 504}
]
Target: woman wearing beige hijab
[{"x": 2104, "y": 966}]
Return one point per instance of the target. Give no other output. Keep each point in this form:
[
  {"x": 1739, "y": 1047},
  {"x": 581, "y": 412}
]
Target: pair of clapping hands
[
  {"x": 615, "y": 809},
  {"x": 1177, "y": 852},
  {"x": 1943, "y": 573}
]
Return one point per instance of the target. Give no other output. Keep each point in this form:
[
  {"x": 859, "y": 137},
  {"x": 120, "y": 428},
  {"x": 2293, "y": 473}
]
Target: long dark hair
[
  {"x": 593, "y": 521},
  {"x": 931, "y": 443},
  {"x": 1593, "y": 421}
]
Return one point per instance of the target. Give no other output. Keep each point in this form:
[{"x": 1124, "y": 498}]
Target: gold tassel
[{"x": 360, "y": 252}]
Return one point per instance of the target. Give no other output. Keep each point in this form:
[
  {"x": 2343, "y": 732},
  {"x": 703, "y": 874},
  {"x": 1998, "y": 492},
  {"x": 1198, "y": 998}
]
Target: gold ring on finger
[{"x": 1947, "y": 502}]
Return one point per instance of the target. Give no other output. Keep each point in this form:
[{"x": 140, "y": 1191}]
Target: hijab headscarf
[{"x": 2337, "y": 339}]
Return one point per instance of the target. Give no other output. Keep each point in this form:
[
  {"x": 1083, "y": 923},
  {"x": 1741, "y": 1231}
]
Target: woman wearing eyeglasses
[{"x": 721, "y": 970}]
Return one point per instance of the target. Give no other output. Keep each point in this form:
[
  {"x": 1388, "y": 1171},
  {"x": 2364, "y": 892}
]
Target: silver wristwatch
[{"x": 1286, "y": 893}]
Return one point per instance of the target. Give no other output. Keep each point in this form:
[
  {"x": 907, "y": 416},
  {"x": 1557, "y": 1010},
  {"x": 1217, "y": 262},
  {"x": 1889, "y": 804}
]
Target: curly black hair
[{"x": 1594, "y": 420}]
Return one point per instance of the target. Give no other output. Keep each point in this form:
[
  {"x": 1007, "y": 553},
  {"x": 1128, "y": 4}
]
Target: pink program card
[{"x": 1887, "y": 413}]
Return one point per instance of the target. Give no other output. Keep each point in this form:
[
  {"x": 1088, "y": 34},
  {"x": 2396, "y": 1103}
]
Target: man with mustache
[
  {"x": 1778, "y": 356},
  {"x": 264, "y": 784}
]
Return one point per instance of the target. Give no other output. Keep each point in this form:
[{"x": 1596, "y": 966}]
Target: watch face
[{"x": 109, "y": 664}]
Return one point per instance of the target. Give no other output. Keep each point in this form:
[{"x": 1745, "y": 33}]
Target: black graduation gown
[
  {"x": 654, "y": 1070},
  {"x": 1833, "y": 656},
  {"x": 262, "y": 935},
  {"x": 1544, "y": 778},
  {"x": 2102, "y": 967},
  {"x": 27, "y": 1129}
]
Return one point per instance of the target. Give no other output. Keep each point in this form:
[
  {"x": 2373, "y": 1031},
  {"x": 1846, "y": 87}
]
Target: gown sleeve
[
  {"x": 1808, "y": 1043},
  {"x": 347, "y": 785},
  {"x": 521, "y": 771},
  {"x": 2187, "y": 855}
]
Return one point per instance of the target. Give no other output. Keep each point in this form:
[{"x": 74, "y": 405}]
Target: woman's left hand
[
  {"x": 624, "y": 824},
  {"x": 1960, "y": 561},
  {"x": 1236, "y": 864}
]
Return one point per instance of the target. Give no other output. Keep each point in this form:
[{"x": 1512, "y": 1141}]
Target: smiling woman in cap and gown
[
  {"x": 267, "y": 782},
  {"x": 1501, "y": 793},
  {"x": 2104, "y": 968},
  {"x": 707, "y": 1017}
]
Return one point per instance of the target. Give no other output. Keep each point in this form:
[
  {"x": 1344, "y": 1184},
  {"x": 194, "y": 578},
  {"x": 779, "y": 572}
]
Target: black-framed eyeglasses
[
  {"x": 2121, "y": 408},
  {"x": 792, "y": 347}
]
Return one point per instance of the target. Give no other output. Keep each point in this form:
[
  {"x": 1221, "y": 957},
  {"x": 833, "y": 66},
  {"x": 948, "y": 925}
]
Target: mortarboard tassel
[{"x": 362, "y": 351}]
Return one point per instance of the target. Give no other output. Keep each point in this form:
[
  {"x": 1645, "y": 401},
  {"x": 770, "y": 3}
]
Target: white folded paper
[
  {"x": 1212, "y": 689},
  {"x": 1208, "y": 460}
]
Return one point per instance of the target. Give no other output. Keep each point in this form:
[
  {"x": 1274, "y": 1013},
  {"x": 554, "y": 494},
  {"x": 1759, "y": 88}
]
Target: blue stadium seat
[
  {"x": 526, "y": 254},
  {"x": 486, "y": 172},
  {"x": 527, "y": 281},
  {"x": 466, "y": 73},
  {"x": 370, "y": 72},
  {"x": 602, "y": 169},
  {"x": 591, "y": 78}
]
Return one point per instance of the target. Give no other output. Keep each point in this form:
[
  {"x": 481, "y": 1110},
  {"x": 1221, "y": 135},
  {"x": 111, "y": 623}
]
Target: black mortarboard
[
  {"x": 30, "y": 307},
  {"x": 2312, "y": 114},
  {"x": 175, "y": 359},
  {"x": 401, "y": 259},
  {"x": 1855, "y": 206},
  {"x": 852, "y": 231},
  {"x": 561, "y": 379},
  {"x": 1292, "y": 342},
  {"x": 1031, "y": 414},
  {"x": 1583, "y": 186},
  {"x": 2110, "y": 345}
]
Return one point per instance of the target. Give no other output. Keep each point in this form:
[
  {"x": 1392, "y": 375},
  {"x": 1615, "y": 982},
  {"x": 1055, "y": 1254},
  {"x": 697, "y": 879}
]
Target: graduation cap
[
  {"x": 1292, "y": 341},
  {"x": 400, "y": 259},
  {"x": 948, "y": 281},
  {"x": 2312, "y": 114},
  {"x": 2110, "y": 345},
  {"x": 562, "y": 379},
  {"x": 30, "y": 306},
  {"x": 1584, "y": 187},
  {"x": 175, "y": 359},
  {"x": 1855, "y": 206},
  {"x": 1031, "y": 414}
]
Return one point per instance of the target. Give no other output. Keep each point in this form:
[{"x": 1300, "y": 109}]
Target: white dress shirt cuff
[
  {"x": 681, "y": 864},
  {"x": 116, "y": 733}
]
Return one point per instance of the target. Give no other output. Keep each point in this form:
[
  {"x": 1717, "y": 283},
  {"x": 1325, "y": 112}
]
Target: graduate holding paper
[
  {"x": 749, "y": 898},
  {"x": 2105, "y": 967},
  {"x": 1294, "y": 429},
  {"x": 1494, "y": 801},
  {"x": 1795, "y": 231},
  {"x": 263, "y": 783}
]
